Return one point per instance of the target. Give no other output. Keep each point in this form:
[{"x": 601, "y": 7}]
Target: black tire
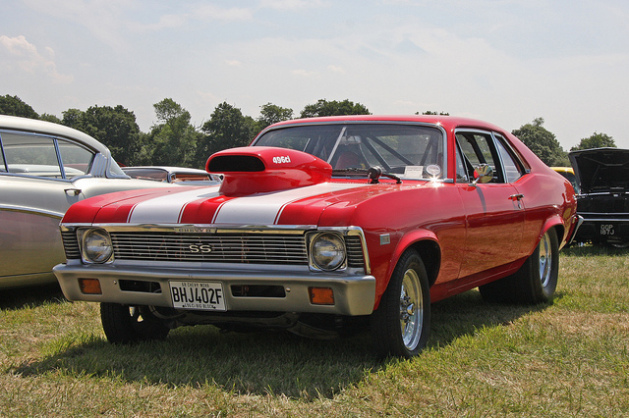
[
  {"x": 536, "y": 280},
  {"x": 124, "y": 324},
  {"x": 401, "y": 324},
  {"x": 620, "y": 244}
]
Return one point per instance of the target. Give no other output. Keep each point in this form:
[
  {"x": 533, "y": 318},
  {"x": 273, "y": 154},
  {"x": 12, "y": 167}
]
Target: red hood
[
  {"x": 205, "y": 205},
  {"x": 262, "y": 186}
]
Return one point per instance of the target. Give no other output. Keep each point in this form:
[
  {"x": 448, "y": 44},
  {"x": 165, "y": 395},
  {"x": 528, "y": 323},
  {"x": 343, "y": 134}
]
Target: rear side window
[
  {"x": 43, "y": 156},
  {"x": 479, "y": 147},
  {"x": 76, "y": 160},
  {"x": 512, "y": 170}
]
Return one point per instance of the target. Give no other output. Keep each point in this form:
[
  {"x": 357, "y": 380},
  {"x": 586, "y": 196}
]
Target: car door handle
[
  {"x": 517, "y": 197},
  {"x": 72, "y": 192}
]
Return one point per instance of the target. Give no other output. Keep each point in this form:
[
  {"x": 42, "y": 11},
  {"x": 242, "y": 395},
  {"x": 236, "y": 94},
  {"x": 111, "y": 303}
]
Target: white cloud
[
  {"x": 103, "y": 18},
  {"x": 186, "y": 15},
  {"x": 336, "y": 69},
  {"x": 291, "y": 4},
  {"x": 167, "y": 21},
  {"x": 19, "y": 55},
  {"x": 305, "y": 73},
  {"x": 211, "y": 12}
]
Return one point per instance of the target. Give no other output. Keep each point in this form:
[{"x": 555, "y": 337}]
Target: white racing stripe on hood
[
  {"x": 265, "y": 209},
  {"x": 168, "y": 208}
]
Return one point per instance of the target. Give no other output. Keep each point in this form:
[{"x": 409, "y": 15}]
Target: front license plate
[{"x": 195, "y": 295}]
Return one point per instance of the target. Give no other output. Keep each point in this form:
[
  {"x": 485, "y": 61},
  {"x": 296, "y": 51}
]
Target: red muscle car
[{"x": 325, "y": 220}]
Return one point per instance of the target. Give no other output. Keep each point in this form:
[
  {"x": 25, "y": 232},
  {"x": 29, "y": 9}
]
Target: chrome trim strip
[
  {"x": 36, "y": 211},
  {"x": 605, "y": 219},
  {"x": 195, "y": 228},
  {"x": 604, "y": 193}
]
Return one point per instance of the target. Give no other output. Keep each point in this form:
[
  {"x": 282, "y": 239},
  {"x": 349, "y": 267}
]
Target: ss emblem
[{"x": 200, "y": 248}]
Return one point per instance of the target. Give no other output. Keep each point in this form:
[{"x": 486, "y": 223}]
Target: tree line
[{"x": 174, "y": 141}]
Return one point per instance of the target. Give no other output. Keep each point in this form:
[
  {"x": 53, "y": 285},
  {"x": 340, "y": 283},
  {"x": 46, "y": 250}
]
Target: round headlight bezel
[
  {"x": 96, "y": 246},
  {"x": 327, "y": 251}
]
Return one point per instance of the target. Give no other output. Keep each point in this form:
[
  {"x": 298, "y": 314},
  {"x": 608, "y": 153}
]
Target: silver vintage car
[
  {"x": 166, "y": 174},
  {"x": 44, "y": 168}
]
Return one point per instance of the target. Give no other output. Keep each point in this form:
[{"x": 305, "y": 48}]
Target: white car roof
[{"x": 49, "y": 128}]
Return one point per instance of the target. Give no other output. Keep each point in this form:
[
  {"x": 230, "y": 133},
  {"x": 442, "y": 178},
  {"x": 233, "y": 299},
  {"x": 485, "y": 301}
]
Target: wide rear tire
[
  {"x": 536, "y": 280},
  {"x": 400, "y": 325},
  {"x": 124, "y": 324}
]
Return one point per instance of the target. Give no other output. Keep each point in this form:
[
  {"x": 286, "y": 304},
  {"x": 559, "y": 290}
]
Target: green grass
[{"x": 570, "y": 358}]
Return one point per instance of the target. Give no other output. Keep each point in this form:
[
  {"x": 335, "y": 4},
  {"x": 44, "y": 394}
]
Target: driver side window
[{"x": 478, "y": 149}]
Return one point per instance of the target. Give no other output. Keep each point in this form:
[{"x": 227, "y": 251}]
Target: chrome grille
[
  {"x": 71, "y": 245},
  {"x": 354, "y": 248},
  {"x": 218, "y": 248}
]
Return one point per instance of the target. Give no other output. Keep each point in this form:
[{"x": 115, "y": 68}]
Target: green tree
[
  {"x": 14, "y": 106},
  {"x": 50, "y": 118},
  {"x": 227, "y": 128},
  {"x": 73, "y": 118},
  {"x": 115, "y": 127},
  {"x": 173, "y": 141},
  {"x": 543, "y": 143},
  {"x": 334, "y": 108},
  {"x": 595, "y": 140},
  {"x": 432, "y": 112},
  {"x": 271, "y": 114}
]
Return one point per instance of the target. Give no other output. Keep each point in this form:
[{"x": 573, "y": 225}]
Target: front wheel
[
  {"x": 536, "y": 280},
  {"x": 400, "y": 325},
  {"x": 124, "y": 324}
]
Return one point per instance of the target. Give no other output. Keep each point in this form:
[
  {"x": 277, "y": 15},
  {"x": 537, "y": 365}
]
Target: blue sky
[{"x": 503, "y": 61}]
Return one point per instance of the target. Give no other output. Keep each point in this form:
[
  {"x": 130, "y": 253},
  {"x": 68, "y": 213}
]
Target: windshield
[{"x": 408, "y": 151}]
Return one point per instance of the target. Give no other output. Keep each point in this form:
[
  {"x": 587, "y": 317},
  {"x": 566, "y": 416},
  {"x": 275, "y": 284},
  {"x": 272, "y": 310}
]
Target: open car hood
[{"x": 601, "y": 169}]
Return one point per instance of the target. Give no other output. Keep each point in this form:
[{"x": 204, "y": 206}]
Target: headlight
[
  {"x": 97, "y": 246},
  {"x": 327, "y": 251}
]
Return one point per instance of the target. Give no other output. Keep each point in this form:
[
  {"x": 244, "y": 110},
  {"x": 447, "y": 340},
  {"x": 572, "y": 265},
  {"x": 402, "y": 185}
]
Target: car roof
[
  {"x": 49, "y": 128},
  {"x": 447, "y": 122}
]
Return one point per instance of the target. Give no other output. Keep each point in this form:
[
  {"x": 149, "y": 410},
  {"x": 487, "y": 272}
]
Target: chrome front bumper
[{"x": 353, "y": 294}]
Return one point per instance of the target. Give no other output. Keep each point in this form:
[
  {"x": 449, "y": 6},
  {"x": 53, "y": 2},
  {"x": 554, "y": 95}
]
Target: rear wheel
[
  {"x": 400, "y": 325},
  {"x": 536, "y": 280},
  {"x": 124, "y": 324}
]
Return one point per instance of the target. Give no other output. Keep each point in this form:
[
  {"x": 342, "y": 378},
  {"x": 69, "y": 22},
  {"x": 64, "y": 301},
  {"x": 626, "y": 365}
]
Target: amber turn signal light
[
  {"x": 321, "y": 295},
  {"x": 90, "y": 286}
]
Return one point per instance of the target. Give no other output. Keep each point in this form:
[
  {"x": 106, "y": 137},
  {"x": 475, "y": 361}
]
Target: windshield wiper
[{"x": 372, "y": 173}]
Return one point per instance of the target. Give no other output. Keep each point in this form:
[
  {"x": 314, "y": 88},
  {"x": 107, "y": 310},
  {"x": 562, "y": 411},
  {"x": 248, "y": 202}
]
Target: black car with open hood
[{"x": 603, "y": 202}]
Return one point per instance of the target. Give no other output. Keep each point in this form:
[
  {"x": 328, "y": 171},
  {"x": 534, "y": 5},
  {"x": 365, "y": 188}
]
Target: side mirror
[{"x": 483, "y": 174}]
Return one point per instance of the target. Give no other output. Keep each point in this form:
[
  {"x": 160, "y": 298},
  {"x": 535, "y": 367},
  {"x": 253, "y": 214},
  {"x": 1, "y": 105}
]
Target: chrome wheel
[
  {"x": 411, "y": 309},
  {"x": 545, "y": 260},
  {"x": 401, "y": 323}
]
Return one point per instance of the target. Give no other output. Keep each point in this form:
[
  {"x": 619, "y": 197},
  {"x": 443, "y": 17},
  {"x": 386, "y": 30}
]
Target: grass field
[{"x": 570, "y": 358}]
